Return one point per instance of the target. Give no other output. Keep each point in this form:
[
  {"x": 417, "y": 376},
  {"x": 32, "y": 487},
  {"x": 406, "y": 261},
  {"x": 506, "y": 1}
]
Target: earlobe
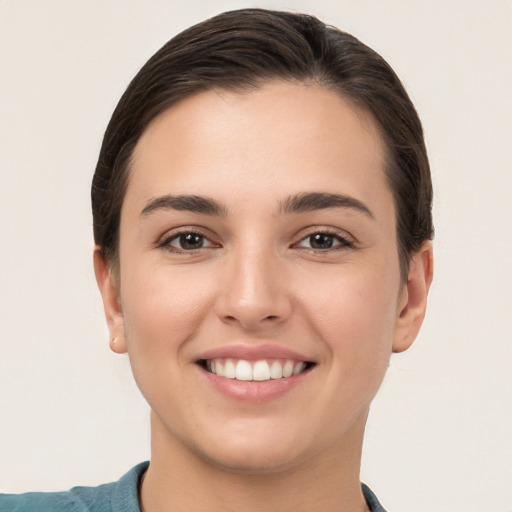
[
  {"x": 413, "y": 302},
  {"x": 109, "y": 290},
  {"x": 118, "y": 345}
]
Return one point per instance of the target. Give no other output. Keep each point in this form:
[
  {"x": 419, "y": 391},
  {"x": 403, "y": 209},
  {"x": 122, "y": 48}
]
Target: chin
[
  {"x": 250, "y": 446},
  {"x": 260, "y": 447},
  {"x": 251, "y": 459}
]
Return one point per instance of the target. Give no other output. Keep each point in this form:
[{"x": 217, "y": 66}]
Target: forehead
[{"x": 279, "y": 139}]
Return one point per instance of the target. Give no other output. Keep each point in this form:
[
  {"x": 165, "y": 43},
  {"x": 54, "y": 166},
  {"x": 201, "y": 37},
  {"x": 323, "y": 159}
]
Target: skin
[{"x": 259, "y": 280}]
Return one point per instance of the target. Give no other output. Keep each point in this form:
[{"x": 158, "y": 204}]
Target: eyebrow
[
  {"x": 298, "y": 203},
  {"x": 190, "y": 203},
  {"x": 311, "y": 201}
]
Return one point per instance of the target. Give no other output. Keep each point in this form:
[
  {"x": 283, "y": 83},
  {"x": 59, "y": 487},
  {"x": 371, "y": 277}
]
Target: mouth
[{"x": 259, "y": 371}]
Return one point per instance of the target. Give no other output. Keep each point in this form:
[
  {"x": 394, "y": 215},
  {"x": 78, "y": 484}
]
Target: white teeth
[
  {"x": 288, "y": 369},
  {"x": 262, "y": 370},
  {"x": 243, "y": 370},
  {"x": 229, "y": 369},
  {"x": 276, "y": 370},
  {"x": 298, "y": 368},
  {"x": 219, "y": 369}
]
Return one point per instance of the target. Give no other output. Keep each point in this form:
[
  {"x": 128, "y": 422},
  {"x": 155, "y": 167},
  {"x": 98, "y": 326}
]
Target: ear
[
  {"x": 109, "y": 290},
  {"x": 413, "y": 300}
]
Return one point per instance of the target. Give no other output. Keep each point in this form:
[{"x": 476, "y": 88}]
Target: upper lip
[{"x": 252, "y": 353}]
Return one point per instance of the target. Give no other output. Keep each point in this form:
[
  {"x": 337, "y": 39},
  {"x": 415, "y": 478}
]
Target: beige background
[{"x": 440, "y": 434}]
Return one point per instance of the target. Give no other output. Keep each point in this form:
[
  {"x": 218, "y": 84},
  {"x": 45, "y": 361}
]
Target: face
[{"x": 259, "y": 293}]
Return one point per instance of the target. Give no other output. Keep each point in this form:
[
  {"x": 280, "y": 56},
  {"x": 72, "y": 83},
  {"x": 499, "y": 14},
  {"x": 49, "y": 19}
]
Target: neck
[{"x": 180, "y": 479}]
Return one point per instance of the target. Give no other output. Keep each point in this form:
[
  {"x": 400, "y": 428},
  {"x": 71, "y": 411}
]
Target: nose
[{"x": 254, "y": 294}]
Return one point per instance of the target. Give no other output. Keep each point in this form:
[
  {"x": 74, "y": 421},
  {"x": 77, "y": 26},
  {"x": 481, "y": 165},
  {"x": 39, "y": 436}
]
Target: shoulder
[
  {"x": 120, "y": 496},
  {"x": 45, "y": 501}
]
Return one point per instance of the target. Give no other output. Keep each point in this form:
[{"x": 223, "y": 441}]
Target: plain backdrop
[{"x": 439, "y": 436}]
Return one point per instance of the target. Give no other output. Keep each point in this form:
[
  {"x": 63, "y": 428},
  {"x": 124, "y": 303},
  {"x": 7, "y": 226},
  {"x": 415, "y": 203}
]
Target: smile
[{"x": 261, "y": 370}]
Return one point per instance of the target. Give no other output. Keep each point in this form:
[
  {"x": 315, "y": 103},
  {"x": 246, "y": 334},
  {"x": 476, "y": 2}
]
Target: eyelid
[
  {"x": 346, "y": 240},
  {"x": 165, "y": 240},
  {"x": 206, "y": 242}
]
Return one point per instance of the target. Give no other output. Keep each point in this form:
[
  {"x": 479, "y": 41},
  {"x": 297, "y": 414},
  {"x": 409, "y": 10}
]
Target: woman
[{"x": 262, "y": 215}]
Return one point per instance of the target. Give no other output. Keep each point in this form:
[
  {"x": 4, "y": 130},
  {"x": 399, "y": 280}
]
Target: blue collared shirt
[{"x": 120, "y": 496}]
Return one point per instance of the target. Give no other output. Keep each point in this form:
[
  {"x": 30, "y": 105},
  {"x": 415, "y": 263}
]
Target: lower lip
[{"x": 254, "y": 391}]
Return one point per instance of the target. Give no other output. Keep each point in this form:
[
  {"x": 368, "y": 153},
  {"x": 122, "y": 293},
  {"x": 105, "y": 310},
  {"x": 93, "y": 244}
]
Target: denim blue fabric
[
  {"x": 371, "y": 500},
  {"x": 120, "y": 496}
]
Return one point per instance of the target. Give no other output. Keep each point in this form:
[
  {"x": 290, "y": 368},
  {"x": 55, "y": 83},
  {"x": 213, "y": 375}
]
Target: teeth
[
  {"x": 261, "y": 371},
  {"x": 288, "y": 369},
  {"x": 229, "y": 369},
  {"x": 255, "y": 371},
  {"x": 298, "y": 368},
  {"x": 243, "y": 370},
  {"x": 276, "y": 370},
  {"x": 219, "y": 369}
]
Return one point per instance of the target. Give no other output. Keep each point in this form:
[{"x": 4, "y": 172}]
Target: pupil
[
  {"x": 321, "y": 241},
  {"x": 191, "y": 241}
]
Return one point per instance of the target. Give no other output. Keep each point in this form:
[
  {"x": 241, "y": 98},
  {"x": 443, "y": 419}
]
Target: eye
[
  {"x": 324, "y": 241},
  {"x": 188, "y": 241}
]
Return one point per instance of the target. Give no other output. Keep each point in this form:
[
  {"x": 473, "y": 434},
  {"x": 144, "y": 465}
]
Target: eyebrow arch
[
  {"x": 310, "y": 201},
  {"x": 190, "y": 203}
]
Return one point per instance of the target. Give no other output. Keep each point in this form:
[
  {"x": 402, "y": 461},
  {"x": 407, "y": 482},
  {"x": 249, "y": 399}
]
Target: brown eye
[
  {"x": 188, "y": 242},
  {"x": 323, "y": 241}
]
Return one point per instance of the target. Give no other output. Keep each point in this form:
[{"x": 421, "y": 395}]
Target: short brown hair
[{"x": 243, "y": 49}]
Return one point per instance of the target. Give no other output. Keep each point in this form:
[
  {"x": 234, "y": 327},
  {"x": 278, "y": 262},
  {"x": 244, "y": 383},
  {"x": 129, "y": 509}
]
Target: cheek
[
  {"x": 354, "y": 310},
  {"x": 351, "y": 312},
  {"x": 161, "y": 307}
]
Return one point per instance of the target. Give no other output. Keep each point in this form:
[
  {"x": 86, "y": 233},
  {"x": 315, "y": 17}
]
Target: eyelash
[
  {"x": 166, "y": 242},
  {"x": 340, "y": 237}
]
